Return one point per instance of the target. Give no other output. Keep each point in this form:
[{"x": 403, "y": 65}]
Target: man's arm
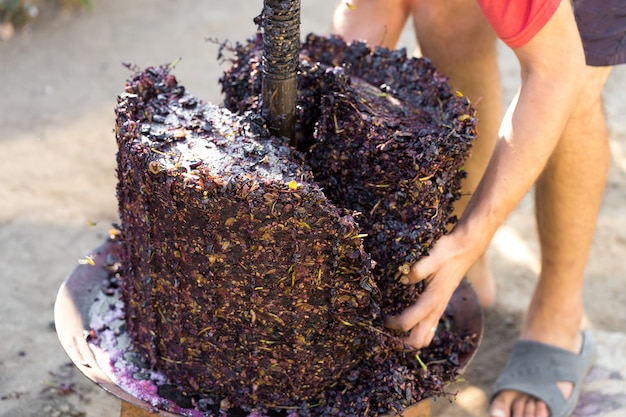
[{"x": 552, "y": 65}]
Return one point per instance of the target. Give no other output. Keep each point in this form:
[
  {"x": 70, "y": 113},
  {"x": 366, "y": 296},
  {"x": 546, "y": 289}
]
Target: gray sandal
[{"x": 534, "y": 368}]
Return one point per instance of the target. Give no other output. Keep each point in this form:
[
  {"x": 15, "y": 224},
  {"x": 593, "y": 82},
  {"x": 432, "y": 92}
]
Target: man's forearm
[{"x": 552, "y": 66}]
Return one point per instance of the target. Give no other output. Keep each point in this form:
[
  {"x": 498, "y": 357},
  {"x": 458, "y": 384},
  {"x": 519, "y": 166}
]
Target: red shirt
[{"x": 517, "y": 21}]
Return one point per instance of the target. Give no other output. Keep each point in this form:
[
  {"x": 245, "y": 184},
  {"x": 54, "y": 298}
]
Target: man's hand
[{"x": 441, "y": 271}]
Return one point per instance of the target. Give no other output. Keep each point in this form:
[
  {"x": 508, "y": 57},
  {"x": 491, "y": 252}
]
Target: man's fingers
[
  {"x": 413, "y": 277},
  {"x": 419, "y": 271},
  {"x": 419, "y": 321},
  {"x": 421, "y": 335},
  {"x": 409, "y": 318},
  {"x": 421, "y": 318}
]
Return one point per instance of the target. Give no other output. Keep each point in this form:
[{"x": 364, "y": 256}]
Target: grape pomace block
[{"x": 256, "y": 276}]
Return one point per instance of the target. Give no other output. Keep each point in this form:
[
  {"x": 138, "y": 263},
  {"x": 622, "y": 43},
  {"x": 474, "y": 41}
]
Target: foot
[
  {"x": 517, "y": 404},
  {"x": 482, "y": 280}
]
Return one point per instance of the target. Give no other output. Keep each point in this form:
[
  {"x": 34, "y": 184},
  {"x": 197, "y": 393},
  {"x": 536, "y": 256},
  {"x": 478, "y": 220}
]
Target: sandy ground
[{"x": 58, "y": 85}]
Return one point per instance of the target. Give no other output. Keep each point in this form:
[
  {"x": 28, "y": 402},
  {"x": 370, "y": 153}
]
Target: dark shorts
[{"x": 602, "y": 26}]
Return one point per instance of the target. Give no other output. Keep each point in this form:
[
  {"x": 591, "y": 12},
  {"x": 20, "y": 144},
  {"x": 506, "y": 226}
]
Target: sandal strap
[{"x": 534, "y": 368}]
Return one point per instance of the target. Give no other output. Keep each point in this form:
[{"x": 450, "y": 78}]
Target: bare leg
[
  {"x": 455, "y": 35},
  {"x": 568, "y": 197},
  {"x": 377, "y": 22}
]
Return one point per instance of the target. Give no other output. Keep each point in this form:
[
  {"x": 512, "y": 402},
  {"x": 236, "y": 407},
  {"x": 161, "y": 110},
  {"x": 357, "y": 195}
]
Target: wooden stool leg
[
  {"x": 421, "y": 409},
  {"x": 129, "y": 410}
]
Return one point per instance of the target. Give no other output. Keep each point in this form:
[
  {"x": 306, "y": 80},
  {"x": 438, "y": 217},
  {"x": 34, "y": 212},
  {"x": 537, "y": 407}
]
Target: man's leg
[
  {"x": 455, "y": 35},
  {"x": 568, "y": 197},
  {"x": 377, "y": 22}
]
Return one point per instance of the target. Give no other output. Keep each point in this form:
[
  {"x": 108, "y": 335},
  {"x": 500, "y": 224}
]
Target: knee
[
  {"x": 591, "y": 92},
  {"x": 459, "y": 26},
  {"x": 378, "y": 22}
]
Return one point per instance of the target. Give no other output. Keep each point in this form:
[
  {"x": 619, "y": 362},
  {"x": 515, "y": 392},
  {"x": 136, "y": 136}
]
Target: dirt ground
[{"x": 58, "y": 85}]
